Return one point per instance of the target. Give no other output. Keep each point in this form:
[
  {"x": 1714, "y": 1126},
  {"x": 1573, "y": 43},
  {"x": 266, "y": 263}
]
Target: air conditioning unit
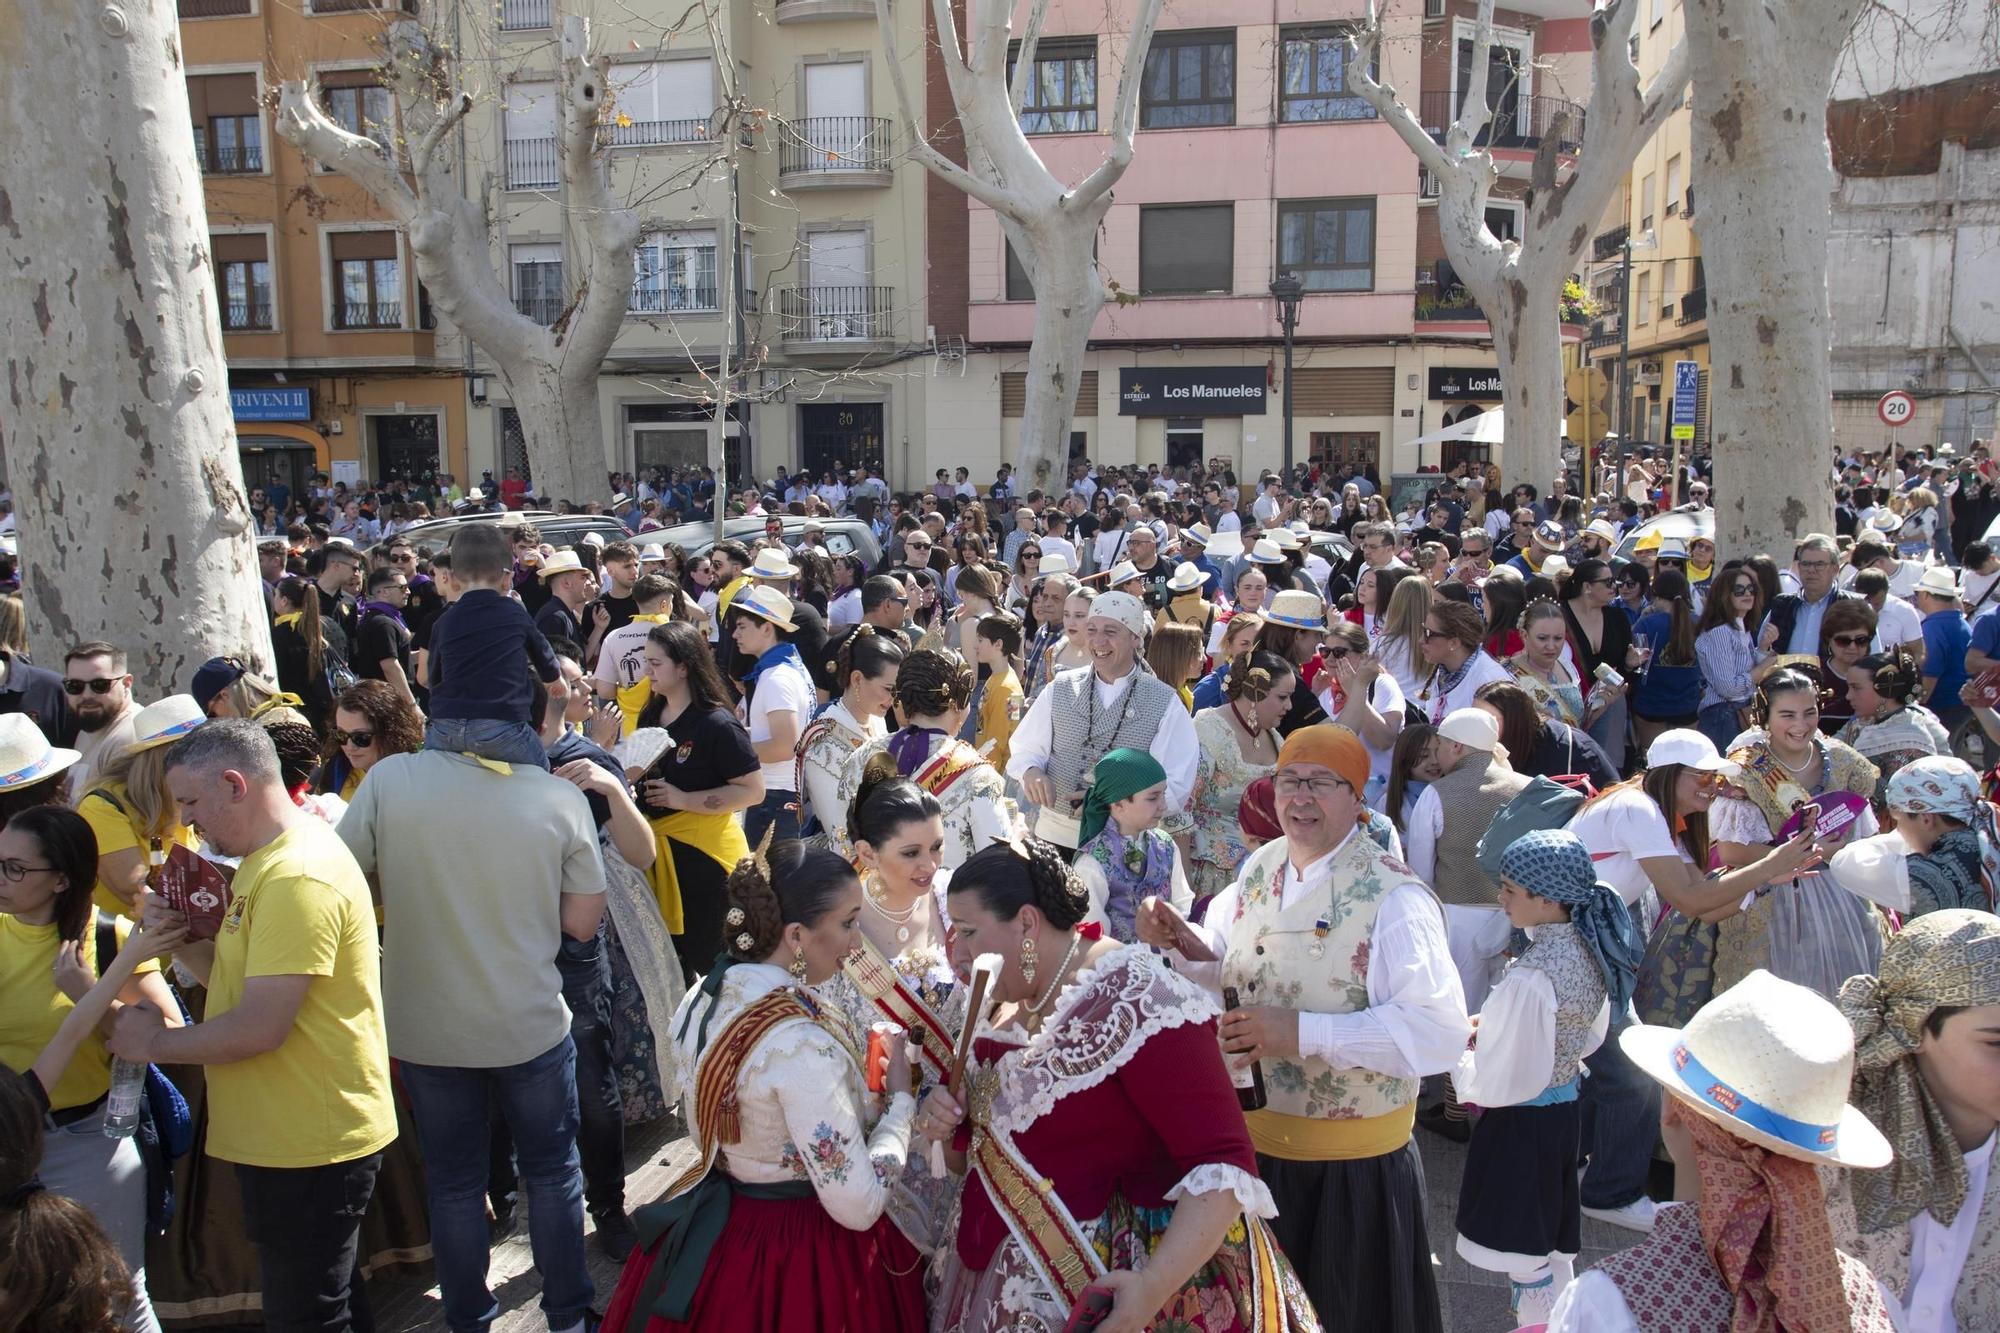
[
  {"x": 1649, "y": 372},
  {"x": 1433, "y": 9},
  {"x": 1427, "y": 184}
]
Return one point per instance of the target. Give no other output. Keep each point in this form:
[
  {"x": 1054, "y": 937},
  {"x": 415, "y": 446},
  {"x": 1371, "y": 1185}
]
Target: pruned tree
[
  {"x": 550, "y": 371},
  {"x": 1763, "y": 74},
  {"x": 1519, "y": 282},
  {"x": 1051, "y": 224},
  {"x": 120, "y": 443}
]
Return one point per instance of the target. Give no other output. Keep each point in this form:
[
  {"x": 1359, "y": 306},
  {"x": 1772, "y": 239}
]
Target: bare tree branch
[{"x": 1024, "y": 63}]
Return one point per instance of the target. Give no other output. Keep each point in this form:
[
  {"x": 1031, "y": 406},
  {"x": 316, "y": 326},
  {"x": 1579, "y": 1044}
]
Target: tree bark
[
  {"x": 119, "y": 438},
  {"x": 550, "y": 372},
  {"x": 1518, "y": 283},
  {"x": 1765, "y": 173}
]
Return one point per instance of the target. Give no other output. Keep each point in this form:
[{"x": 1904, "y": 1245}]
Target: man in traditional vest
[
  {"x": 1347, "y": 998},
  {"x": 1087, "y": 712}
]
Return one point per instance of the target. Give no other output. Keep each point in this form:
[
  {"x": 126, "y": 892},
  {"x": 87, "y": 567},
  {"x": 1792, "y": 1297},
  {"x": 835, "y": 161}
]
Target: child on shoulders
[{"x": 480, "y": 654}]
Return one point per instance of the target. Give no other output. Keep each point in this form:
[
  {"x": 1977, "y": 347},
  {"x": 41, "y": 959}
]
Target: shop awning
[{"x": 1486, "y": 428}]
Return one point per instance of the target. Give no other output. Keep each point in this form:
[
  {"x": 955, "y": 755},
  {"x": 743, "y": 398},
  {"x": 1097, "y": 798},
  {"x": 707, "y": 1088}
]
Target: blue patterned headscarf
[{"x": 1552, "y": 864}]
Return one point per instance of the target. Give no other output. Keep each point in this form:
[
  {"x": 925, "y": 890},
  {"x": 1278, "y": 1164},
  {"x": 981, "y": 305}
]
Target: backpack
[
  {"x": 166, "y": 1127},
  {"x": 1543, "y": 803}
]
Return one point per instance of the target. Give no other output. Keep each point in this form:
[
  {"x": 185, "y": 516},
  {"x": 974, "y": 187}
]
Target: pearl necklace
[
  {"x": 1812, "y": 757},
  {"x": 900, "y": 921},
  {"x": 1075, "y": 943}
]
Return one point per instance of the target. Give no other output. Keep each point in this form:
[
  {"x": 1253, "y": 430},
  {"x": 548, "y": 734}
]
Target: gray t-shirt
[{"x": 472, "y": 865}]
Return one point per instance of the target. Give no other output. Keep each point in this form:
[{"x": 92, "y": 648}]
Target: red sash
[{"x": 884, "y": 987}]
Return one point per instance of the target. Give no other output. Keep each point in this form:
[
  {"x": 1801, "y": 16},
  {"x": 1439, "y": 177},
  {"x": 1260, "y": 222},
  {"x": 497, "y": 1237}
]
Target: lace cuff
[{"x": 1209, "y": 1177}]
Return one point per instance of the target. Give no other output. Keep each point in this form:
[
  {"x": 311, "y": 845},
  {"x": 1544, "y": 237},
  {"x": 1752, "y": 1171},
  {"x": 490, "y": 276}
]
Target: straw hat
[
  {"x": 1769, "y": 1061},
  {"x": 1939, "y": 581},
  {"x": 1053, "y": 562},
  {"x": 165, "y": 720},
  {"x": 1226, "y": 545},
  {"x": 1198, "y": 534},
  {"x": 1266, "y": 552},
  {"x": 1298, "y": 609},
  {"x": 1549, "y": 535},
  {"x": 562, "y": 562},
  {"x": 766, "y": 604},
  {"x": 511, "y": 519},
  {"x": 1122, "y": 572},
  {"x": 1600, "y": 528},
  {"x": 1284, "y": 539},
  {"x": 1187, "y": 577},
  {"x": 26, "y": 757},
  {"x": 771, "y": 564}
]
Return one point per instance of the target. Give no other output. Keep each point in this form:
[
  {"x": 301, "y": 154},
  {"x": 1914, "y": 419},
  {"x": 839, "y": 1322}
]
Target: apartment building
[
  {"x": 335, "y": 363},
  {"x": 1255, "y": 157}
]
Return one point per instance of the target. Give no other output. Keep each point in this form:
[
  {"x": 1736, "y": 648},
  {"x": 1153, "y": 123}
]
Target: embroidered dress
[
  {"x": 972, "y": 792},
  {"x": 1080, "y": 1140},
  {"x": 1906, "y": 735},
  {"x": 1215, "y": 838},
  {"x": 824, "y": 750},
  {"x": 1560, "y": 701}
]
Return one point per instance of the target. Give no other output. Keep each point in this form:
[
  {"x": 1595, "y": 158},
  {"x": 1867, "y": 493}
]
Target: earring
[
  {"x": 1028, "y": 961},
  {"x": 798, "y": 967}
]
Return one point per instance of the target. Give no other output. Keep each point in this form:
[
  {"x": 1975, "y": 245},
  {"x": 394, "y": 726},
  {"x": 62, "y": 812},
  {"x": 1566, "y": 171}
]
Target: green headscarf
[{"x": 1119, "y": 776}]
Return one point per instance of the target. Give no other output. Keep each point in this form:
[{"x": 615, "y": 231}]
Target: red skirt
[{"x": 785, "y": 1266}]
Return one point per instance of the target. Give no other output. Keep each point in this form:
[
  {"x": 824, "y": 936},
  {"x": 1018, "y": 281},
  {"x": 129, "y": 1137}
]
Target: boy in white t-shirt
[{"x": 779, "y": 700}]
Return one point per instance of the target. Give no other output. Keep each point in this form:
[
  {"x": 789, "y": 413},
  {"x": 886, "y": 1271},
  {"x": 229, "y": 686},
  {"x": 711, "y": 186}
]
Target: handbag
[
  {"x": 1677, "y": 973},
  {"x": 166, "y": 1126}
]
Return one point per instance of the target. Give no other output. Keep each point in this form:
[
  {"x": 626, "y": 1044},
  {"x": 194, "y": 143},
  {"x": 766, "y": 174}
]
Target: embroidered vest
[
  {"x": 1975, "y": 1302},
  {"x": 1670, "y": 1284},
  {"x": 1084, "y": 732},
  {"x": 1471, "y": 794},
  {"x": 1279, "y": 957},
  {"x": 1560, "y": 954}
]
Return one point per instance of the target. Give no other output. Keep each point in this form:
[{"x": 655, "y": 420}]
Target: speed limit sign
[{"x": 1896, "y": 408}]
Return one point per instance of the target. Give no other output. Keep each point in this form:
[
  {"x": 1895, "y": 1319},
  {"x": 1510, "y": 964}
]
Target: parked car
[
  {"x": 1687, "y": 524},
  {"x": 843, "y": 535},
  {"x": 556, "y": 529}
]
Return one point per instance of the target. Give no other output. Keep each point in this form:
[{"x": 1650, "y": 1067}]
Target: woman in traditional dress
[
  {"x": 1808, "y": 929},
  {"x": 1542, "y": 667},
  {"x": 1889, "y": 727},
  {"x": 1103, "y": 1140},
  {"x": 1239, "y": 744},
  {"x": 1928, "y": 1224},
  {"x": 901, "y": 973},
  {"x": 779, "y": 1226},
  {"x": 691, "y": 793},
  {"x": 866, "y": 668},
  {"x": 933, "y": 695}
]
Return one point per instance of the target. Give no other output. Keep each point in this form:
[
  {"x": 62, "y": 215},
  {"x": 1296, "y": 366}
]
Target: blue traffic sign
[{"x": 1687, "y": 385}]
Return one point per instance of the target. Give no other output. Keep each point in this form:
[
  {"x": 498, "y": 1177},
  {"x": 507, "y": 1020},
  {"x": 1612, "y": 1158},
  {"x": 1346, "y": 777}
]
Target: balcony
[
  {"x": 519, "y": 15},
  {"x": 1603, "y": 332},
  {"x": 544, "y": 310},
  {"x": 1610, "y": 244},
  {"x": 1452, "y": 305},
  {"x": 1518, "y": 122},
  {"x": 673, "y": 300},
  {"x": 359, "y": 6},
  {"x": 229, "y": 159},
  {"x": 214, "y": 9},
  {"x": 829, "y": 152},
  {"x": 652, "y": 133},
  {"x": 1694, "y": 307},
  {"x": 246, "y": 316},
  {"x": 368, "y": 314},
  {"x": 834, "y": 318},
  {"x": 812, "y": 11},
  {"x": 531, "y": 164}
]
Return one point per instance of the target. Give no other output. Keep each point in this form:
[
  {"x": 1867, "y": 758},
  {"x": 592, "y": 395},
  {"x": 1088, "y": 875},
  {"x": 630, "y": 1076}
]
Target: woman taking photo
[
  {"x": 1542, "y": 667},
  {"x": 1600, "y": 635},
  {"x": 792, "y": 1154},
  {"x": 1360, "y": 694},
  {"x": 1725, "y": 648},
  {"x": 1135, "y": 1127},
  {"x": 867, "y": 667},
  {"x": 1889, "y": 727},
  {"x": 1846, "y": 633},
  {"x": 371, "y": 721},
  {"x": 1539, "y": 745},
  {"x": 706, "y": 772},
  {"x": 129, "y": 804},
  {"x": 1453, "y": 633},
  {"x": 1668, "y": 692},
  {"x": 1239, "y": 744}
]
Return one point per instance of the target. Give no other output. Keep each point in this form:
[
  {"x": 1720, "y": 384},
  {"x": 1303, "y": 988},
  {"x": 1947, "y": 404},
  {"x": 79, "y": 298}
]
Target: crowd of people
[{"x": 1060, "y": 904}]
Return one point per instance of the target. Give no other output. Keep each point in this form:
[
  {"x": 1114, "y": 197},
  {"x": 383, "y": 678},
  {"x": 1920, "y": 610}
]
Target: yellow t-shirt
[
  {"x": 1000, "y": 709},
  {"x": 301, "y": 907},
  {"x": 32, "y": 1008},
  {"x": 118, "y": 830}
]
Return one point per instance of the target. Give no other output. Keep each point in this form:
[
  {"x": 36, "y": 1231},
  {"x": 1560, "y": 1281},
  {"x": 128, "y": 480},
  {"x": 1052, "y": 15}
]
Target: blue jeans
[
  {"x": 1719, "y": 724},
  {"x": 538, "y": 1100},
  {"x": 774, "y": 812},
  {"x": 508, "y": 742}
]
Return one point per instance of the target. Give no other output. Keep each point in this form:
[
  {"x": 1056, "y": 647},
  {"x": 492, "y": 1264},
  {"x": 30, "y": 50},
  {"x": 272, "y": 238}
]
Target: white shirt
[
  {"x": 98, "y": 746},
  {"x": 1896, "y": 624},
  {"x": 1385, "y": 696},
  {"x": 1051, "y": 545},
  {"x": 780, "y": 689},
  {"x": 1481, "y": 671},
  {"x": 1176, "y": 747},
  {"x": 1621, "y": 830},
  {"x": 1111, "y": 547},
  {"x": 843, "y": 610},
  {"x": 1938, "y": 1252},
  {"x": 834, "y": 494},
  {"x": 1415, "y": 1022},
  {"x": 1516, "y": 1053},
  {"x": 1227, "y": 521}
]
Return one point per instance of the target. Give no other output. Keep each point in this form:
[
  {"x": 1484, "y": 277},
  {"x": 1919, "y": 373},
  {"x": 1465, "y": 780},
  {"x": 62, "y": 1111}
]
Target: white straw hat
[
  {"x": 562, "y": 562},
  {"x": 1266, "y": 552},
  {"x": 771, "y": 564},
  {"x": 165, "y": 720},
  {"x": 1122, "y": 572},
  {"x": 26, "y": 757},
  {"x": 1187, "y": 577},
  {"x": 765, "y": 603},
  {"x": 1296, "y": 608},
  {"x": 1769, "y": 1061}
]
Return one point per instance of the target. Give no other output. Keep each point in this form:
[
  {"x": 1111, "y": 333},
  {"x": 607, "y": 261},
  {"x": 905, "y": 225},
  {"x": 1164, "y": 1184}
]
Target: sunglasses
[
  {"x": 76, "y": 687},
  {"x": 916, "y": 546},
  {"x": 1031, "y": 555},
  {"x": 1430, "y": 634},
  {"x": 1744, "y": 590},
  {"x": 1710, "y": 781},
  {"x": 1852, "y": 640},
  {"x": 360, "y": 740},
  {"x": 1333, "y": 654}
]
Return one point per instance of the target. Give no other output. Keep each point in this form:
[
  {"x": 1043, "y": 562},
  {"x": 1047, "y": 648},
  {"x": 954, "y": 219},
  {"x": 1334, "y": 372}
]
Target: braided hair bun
[
  {"x": 933, "y": 682},
  {"x": 885, "y": 802},
  {"x": 1008, "y": 876},
  {"x": 771, "y": 890}
]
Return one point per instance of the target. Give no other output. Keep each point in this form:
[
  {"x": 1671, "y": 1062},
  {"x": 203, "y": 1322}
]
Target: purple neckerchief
[
  {"x": 910, "y": 747},
  {"x": 383, "y": 608}
]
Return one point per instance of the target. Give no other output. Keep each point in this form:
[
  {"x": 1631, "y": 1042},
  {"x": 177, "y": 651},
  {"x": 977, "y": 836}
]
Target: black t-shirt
[
  {"x": 622, "y": 610},
  {"x": 706, "y": 750},
  {"x": 556, "y": 620},
  {"x": 380, "y": 637}
]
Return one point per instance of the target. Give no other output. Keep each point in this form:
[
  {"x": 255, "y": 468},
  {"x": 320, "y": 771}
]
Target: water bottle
[{"x": 121, "y": 1105}]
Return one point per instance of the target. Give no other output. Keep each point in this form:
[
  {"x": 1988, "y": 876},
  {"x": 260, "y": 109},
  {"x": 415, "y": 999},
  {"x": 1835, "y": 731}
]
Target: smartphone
[{"x": 1092, "y": 1308}]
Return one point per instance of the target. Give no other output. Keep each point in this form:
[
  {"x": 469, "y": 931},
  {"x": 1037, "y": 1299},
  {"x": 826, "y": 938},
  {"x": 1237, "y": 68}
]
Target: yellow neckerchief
[
  {"x": 632, "y": 698},
  {"x": 289, "y": 618},
  {"x": 718, "y": 837},
  {"x": 1700, "y": 573}
]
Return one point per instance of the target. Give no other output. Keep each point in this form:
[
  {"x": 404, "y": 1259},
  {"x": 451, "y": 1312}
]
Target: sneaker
[
  {"x": 1440, "y": 1122},
  {"x": 1534, "y": 1302},
  {"x": 1634, "y": 1216},
  {"x": 615, "y": 1234}
]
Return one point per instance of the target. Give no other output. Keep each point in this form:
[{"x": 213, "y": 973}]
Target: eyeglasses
[
  {"x": 360, "y": 740},
  {"x": 74, "y": 687},
  {"x": 1852, "y": 640},
  {"x": 410, "y": 557},
  {"x": 15, "y": 871},
  {"x": 1285, "y": 787}
]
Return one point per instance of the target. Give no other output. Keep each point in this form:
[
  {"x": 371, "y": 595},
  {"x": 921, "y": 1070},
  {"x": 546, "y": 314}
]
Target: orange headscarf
[{"x": 1331, "y": 745}]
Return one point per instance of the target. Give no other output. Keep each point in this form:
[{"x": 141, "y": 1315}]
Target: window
[
  {"x": 1190, "y": 80},
  {"x": 1328, "y": 244},
  {"x": 1667, "y": 280},
  {"x": 662, "y": 101},
  {"x": 228, "y": 129},
  {"x": 1504, "y": 221},
  {"x": 1187, "y": 248},
  {"x": 358, "y": 103},
  {"x": 1313, "y": 80},
  {"x": 676, "y": 271},
  {"x": 1645, "y": 300},
  {"x": 1673, "y": 185},
  {"x": 243, "y": 278},
  {"x": 1646, "y": 203},
  {"x": 530, "y": 123},
  {"x": 1062, "y": 96},
  {"x": 538, "y": 281},
  {"x": 1632, "y": 48},
  {"x": 1018, "y": 286},
  {"x": 367, "y": 280}
]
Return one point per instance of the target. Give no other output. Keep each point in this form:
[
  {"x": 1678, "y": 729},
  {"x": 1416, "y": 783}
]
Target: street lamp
[
  {"x": 1287, "y": 290},
  {"x": 1646, "y": 241}
]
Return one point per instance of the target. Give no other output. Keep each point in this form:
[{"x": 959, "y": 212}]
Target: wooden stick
[{"x": 985, "y": 968}]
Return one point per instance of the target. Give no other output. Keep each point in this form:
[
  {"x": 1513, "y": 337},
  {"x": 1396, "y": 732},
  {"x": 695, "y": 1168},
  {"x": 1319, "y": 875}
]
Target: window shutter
[
  {"x": 350, "y": 78},
  {"x": 230, "y": 94},
  {"x": 362, "y": 245},
  {"x": 1014, "y": 394},
  {"x": 1344, "y": 391},
  {"x": 238, "y": 248}
]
